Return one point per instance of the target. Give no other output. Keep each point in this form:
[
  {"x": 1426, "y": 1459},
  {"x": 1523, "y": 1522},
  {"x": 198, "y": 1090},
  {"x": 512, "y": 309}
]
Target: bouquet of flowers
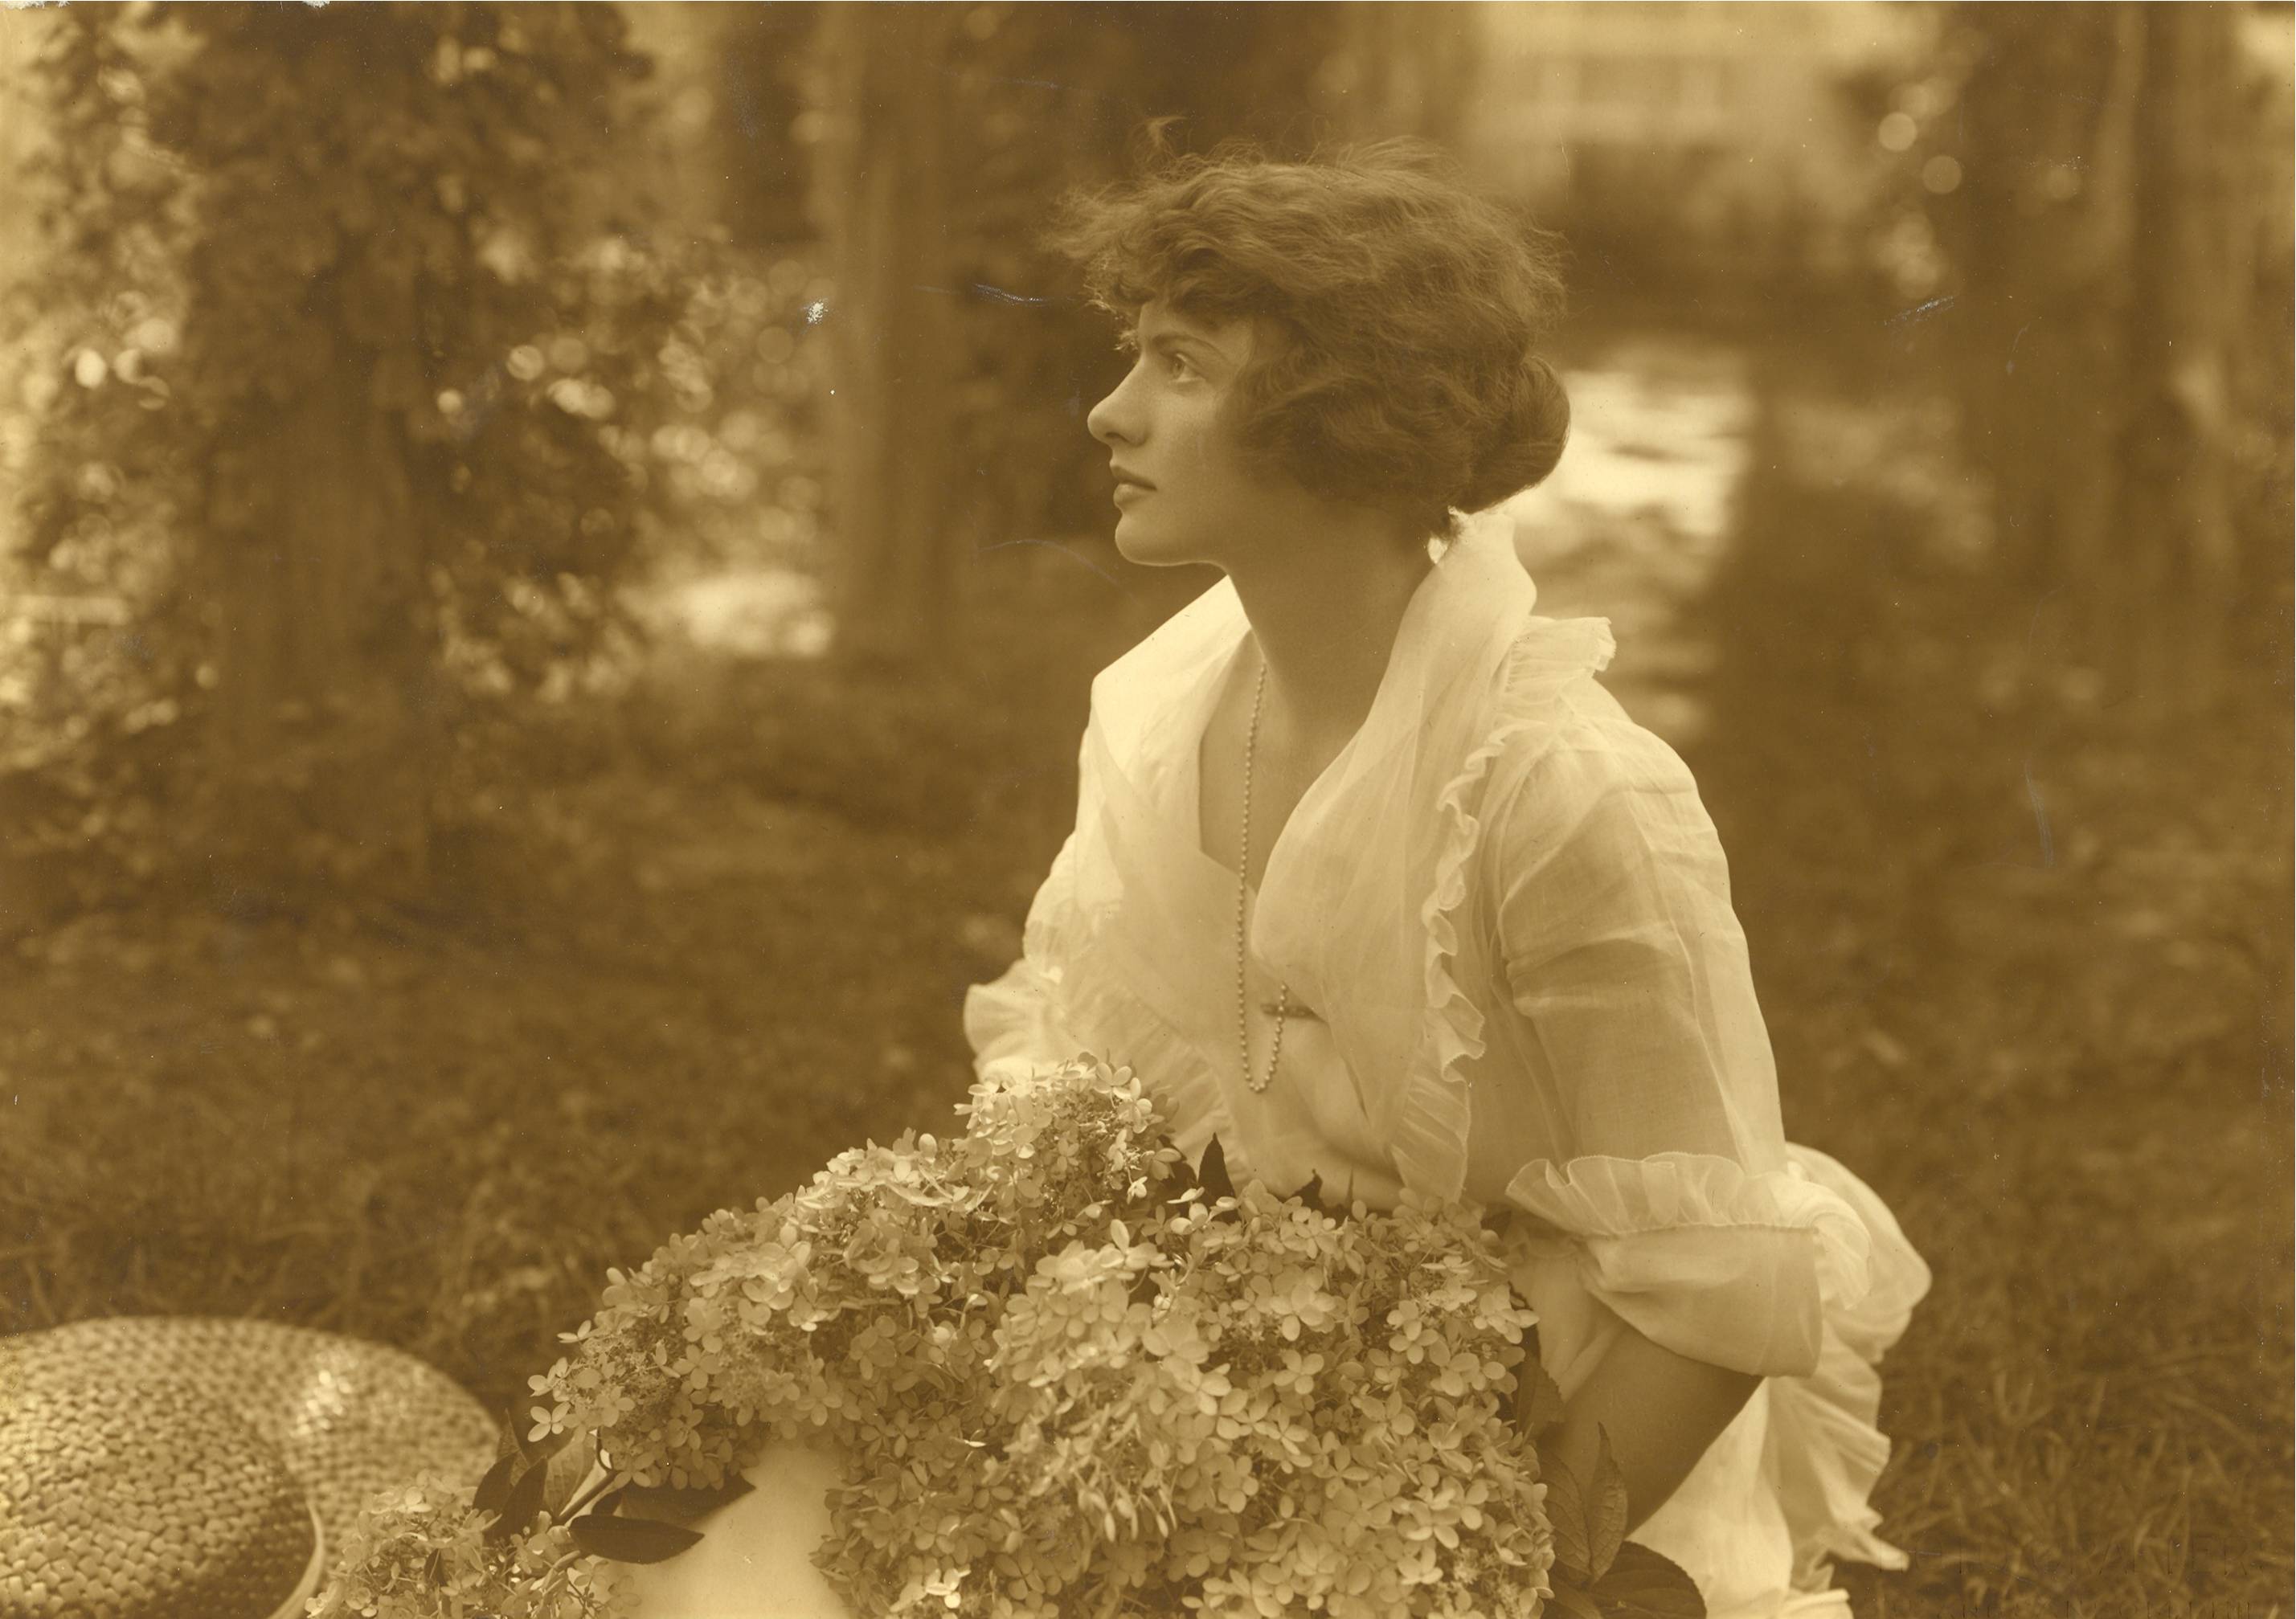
[{"x": 1067, "y": 1378}]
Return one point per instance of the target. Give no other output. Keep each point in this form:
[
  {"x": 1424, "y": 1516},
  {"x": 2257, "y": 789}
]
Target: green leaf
[
  {"x": 680, "y": 1506},
  {"x": 564, "y": 1474},
  {"x": 1571, "y": 1601},
  {"x": 493, "y": 1493},
  {"x": 1606, "y": 1513},
  {"x": 1641, "y": 1584},
  {"x": 1211, "y": 1173},
  {"x": 524, "y": 1502},
  {"x": 1567, "y": 1512},
  {"x": 630, "y": 1540},
  {"x": 1538, "y": 1401},
  {"x": 509, "y": 1438}
]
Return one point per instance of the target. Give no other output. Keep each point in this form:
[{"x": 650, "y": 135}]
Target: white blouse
[{"x": 1508, "y": 916}]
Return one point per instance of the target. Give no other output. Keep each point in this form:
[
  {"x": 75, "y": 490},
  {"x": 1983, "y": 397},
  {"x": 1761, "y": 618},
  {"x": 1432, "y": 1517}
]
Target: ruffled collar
[{"x": 1477, "y": 589}]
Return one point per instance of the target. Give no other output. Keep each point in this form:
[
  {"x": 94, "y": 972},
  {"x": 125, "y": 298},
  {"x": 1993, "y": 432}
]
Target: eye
[{"x": 1179, "y": 366}]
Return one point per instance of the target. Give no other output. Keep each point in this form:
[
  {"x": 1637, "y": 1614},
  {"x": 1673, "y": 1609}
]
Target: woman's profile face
[{"x": 1183, "y": 494}]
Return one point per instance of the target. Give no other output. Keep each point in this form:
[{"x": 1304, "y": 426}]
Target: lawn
[{"x": 2025, "y": 969}]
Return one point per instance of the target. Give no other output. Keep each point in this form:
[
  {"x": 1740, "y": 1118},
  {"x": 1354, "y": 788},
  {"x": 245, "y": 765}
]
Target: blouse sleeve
[
  {"x": 1628, "y": 972},
  {"x": 1013, "y": 1023}
]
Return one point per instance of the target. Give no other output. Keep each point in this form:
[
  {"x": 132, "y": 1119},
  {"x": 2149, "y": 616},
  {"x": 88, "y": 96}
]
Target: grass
[
  {"x": 722, "y": 930},
  {"x": 725, "y": 927},
  {"x": 2026, "y": 968}
]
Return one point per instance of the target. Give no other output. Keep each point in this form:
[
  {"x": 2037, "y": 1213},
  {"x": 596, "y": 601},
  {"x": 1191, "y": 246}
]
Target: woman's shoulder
[
  {"x": 1555, "y": 720},
  {"x": 1599, "y": 829}
]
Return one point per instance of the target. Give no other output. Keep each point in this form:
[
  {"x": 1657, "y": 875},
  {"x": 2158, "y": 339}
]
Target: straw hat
[{"x": 161, "y": 1468}]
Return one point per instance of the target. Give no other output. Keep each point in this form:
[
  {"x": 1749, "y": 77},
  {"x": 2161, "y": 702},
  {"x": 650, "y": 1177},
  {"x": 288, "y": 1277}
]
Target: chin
[{"x": 1145, "y": 547}]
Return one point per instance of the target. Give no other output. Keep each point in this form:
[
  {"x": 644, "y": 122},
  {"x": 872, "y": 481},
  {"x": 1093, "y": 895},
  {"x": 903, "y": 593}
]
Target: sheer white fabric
[{"x": 1508, "y": 915}]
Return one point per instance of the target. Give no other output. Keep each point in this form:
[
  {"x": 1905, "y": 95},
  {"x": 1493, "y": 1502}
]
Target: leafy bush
[{"x": 253, "y": 213}]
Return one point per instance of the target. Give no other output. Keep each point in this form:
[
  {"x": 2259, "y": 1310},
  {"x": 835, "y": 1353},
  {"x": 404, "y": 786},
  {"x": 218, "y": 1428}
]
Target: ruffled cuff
[
  {"x": 1701, "y": 1258},
  {"x": 1010, "y": 1024},
  {"x": 1825, "y": 1450}
]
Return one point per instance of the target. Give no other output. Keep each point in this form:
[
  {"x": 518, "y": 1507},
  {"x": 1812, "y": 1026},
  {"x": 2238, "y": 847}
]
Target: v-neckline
[{"x": 1225, "y": 671}]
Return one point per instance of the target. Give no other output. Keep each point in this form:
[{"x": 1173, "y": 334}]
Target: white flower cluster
[{"x": 1067, "y": 1382}]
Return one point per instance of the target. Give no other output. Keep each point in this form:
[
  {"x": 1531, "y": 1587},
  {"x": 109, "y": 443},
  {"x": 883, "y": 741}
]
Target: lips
[{"x": 1133, "y": 480}]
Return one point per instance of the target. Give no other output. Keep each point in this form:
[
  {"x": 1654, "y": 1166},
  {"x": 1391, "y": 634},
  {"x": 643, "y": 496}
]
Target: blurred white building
[{"x": 1708, "y": 133}]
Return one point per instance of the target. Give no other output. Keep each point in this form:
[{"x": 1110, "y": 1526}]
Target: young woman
[{"x": 1373, "y": 882}]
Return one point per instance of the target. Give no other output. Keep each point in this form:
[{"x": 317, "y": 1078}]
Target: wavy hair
[{"x": 1411, "y": 310}]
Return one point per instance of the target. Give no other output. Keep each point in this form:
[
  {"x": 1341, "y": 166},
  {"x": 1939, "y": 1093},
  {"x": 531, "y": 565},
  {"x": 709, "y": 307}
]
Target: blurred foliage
[
  {"x": 747, "y": 116},
  {"x": 255, "y": 210},
  {"x": 2012, "y": 227},
  {"x": 1986, "y": 134},
  {"x": 236, "y": 188},
  {"x": 240, "y": 203}
]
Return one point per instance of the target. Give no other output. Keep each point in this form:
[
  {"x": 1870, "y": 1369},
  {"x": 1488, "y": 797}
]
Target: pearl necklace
[{"x": 1258, "y": 1083}]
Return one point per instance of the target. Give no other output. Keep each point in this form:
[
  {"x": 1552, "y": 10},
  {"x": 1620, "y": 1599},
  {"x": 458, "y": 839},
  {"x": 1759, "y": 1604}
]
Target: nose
[{"x": 1113, "y": 421}]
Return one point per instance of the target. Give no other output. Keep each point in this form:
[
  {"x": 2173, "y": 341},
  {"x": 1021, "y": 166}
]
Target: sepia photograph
[{"x": 1475, "y": 809}]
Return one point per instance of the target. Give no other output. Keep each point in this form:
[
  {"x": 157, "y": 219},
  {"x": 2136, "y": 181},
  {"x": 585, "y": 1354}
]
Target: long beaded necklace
[{"x": 1258, "y": 1083}]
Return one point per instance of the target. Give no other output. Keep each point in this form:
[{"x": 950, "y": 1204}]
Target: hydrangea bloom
[{"x": 1111, "y": 1392}]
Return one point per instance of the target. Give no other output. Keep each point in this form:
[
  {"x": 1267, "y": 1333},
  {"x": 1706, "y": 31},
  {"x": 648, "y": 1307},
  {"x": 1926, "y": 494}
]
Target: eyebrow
[{"x": 1172, "y": 337}]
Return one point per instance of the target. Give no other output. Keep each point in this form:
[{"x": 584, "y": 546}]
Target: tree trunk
[
  {"x": 322, "y": 729},
  {"x": 2047, "y": 129},
  {"x": 883, "y": 204},
  {"x": 2183, "y": 563}
]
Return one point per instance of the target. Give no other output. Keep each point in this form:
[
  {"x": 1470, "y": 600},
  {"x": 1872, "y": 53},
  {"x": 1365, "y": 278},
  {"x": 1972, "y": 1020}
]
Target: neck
[{"x": 1324, "y": 612}]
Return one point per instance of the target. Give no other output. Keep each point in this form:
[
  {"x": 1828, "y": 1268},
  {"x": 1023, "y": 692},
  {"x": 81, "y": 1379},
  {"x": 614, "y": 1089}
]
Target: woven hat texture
[{"x": 185, "y": 1468}]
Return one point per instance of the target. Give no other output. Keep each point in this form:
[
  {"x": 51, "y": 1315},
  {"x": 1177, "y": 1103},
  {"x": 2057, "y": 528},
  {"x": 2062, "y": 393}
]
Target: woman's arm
[
  {"x": 1623, "y": 955},
  {"x": 1661, "y": 1411}
]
